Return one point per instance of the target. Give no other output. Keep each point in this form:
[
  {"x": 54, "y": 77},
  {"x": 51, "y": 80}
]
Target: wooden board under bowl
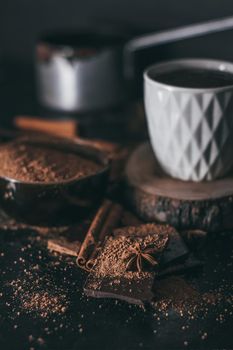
[{"x": 155, "y": 196}]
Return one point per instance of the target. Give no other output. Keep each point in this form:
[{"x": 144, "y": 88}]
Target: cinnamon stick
[
  {"x": 92, "y": 236},
  {"x": 62, "y": 128},
  {"x": 67, "y": 128},
  {"x": 62, "y": 246},
  {"x": 105, "y": 220},
  {"x": 110, "y": 223},
  {"x": 102, "y": 145}
]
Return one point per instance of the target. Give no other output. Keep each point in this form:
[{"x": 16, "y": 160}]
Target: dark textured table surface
[{"x": 42, "y": 305}]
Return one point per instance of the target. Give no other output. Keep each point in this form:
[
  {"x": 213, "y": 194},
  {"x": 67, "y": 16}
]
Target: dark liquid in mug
[{"x": 195, "y": 78}]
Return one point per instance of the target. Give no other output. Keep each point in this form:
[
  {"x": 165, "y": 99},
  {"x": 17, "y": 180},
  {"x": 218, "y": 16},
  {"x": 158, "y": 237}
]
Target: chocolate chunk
[
  {"x": 195, "y": 239},
  {"x": 176, "y": 250},
  {"x": 137, "y": 290},
  {"x": 190, "y": 264},
  {"x": 115, "y": 276},
  {"x": 124, "y": 268}
]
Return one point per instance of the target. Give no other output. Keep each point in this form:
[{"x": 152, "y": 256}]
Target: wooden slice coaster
[{"x": 157, "y": 197}]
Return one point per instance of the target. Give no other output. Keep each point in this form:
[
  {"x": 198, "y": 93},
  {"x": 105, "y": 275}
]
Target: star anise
[{"x": 138, "y": 254}]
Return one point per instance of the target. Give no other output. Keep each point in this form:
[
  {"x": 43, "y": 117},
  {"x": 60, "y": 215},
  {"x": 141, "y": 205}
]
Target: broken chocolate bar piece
[
  {"x": 195, "y": 239},
  {"x": 176, "y": 250},
  {"x": 190, "y": 264},
  {"x": 134, "y": 290},
  {"x": 125, "y": 267}
]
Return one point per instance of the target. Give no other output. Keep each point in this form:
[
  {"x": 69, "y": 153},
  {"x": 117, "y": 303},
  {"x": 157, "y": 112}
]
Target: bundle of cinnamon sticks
[
  {"x": 108, "y": 217},
  {"x": 105, "y": 220}
]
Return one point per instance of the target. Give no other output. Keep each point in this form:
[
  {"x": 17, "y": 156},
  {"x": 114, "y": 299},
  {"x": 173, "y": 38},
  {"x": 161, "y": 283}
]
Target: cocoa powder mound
[
  {"x": 39, "y": 163},
  {"x": 112, "y": 260}
]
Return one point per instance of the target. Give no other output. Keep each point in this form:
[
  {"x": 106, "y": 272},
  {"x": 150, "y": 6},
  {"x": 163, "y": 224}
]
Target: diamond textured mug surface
[{"x": 191, "y": 129}]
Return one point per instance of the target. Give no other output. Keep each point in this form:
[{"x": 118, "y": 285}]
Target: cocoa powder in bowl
[{"x": 28, "y": 162}]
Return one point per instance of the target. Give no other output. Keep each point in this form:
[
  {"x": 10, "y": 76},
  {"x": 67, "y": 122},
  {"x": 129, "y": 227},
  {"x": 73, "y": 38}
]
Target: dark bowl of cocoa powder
[{"x": 51, "y": 181}]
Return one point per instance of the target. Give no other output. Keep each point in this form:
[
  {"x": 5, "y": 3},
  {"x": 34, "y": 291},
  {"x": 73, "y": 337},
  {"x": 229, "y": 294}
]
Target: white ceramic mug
[{"x": 191, "y": 129}]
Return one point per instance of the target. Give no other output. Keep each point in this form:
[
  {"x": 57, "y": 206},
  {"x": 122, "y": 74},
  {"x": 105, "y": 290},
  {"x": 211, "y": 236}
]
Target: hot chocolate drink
[{"x": 195, "y": 78}]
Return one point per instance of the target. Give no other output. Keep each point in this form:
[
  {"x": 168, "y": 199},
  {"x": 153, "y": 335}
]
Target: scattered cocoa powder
[
  {"x": 36, "y": 300},
  {"x": 176, "y": 294},
  {"x": 40, "y": 163},
  {"x": 44, "y": 303},
  {"x": 214, "y": 301}
]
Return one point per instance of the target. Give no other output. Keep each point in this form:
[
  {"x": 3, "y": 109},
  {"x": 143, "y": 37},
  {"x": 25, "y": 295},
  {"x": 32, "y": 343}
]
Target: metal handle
[{"x": 172, "y": 35}]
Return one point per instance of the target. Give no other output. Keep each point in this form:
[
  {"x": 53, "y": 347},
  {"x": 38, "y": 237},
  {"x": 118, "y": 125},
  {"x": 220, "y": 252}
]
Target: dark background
[{"x": 21, "y": 21}]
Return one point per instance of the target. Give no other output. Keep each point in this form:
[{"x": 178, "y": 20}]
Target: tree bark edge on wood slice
[{"x": 193, "y": 206}]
